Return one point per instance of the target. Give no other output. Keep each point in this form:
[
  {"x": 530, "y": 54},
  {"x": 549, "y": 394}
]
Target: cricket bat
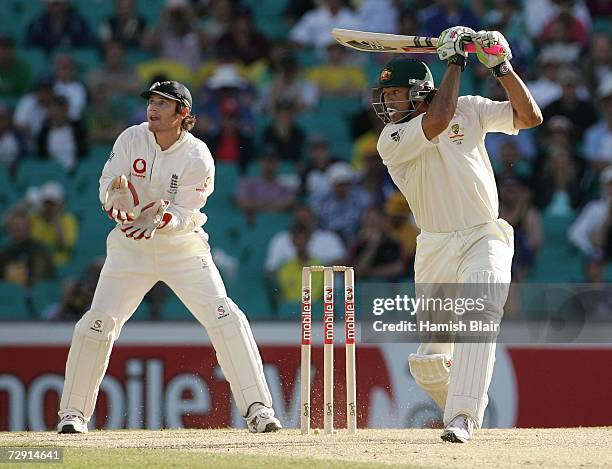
[{"x": 396, "y": 43}]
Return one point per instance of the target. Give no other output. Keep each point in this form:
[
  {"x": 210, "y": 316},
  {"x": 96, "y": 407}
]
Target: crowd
[{"x": 278, "y": 100}]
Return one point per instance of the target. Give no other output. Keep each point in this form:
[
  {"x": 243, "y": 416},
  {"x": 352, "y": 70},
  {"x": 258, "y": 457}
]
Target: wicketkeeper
[
  {"x": 433, "y": 147},
  {"x": 154, "y": 184}
]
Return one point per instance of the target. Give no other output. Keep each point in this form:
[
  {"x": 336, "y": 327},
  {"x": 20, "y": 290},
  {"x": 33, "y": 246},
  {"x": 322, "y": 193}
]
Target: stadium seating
[
  {"x": 45, "y": 294},
  {"x": 13, "y": 305},
  {"x": 35, "y": 172}
]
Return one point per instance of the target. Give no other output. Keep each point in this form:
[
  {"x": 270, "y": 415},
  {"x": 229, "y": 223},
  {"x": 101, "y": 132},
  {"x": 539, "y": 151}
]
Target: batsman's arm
[
  {"x": 527, "y": 113},
  {"x": 444, "y": 104}
]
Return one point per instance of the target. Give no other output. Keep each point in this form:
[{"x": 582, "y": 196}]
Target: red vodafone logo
[{"x": 139, "y": 166}]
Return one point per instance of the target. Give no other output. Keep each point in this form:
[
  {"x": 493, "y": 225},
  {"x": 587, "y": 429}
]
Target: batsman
[{"x": 433, "y": 147}]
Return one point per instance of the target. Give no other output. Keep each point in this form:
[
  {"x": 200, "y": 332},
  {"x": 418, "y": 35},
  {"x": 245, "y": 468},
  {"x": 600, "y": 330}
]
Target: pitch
[{"x": 542, "y": 448}]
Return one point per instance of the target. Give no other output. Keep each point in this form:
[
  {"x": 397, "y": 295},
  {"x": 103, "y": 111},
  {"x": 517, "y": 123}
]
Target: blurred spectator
[
  {"x": 59, "y": 25},
  {"x": 578, "y": 110},
  {"x": 590, "y": 231},
  {"x": 565, "y": 27},
  {"x": 374, "y": 254},
  {"x": 62, "y": 139},
  {"x": 66, "y": 84},
  {"x": 315, "y": 178},
  {"x": 538, "y": 13},
  {"x": 400, "y": 225},
  {"x": 510, "y": 162},
  {"x": 106, "y": 117},
  {"x": 445, "y": 14},
  {"x": 326, "y": 245},
  {"x": 14, "y": 72},
  {"x": 546, "y": 88},
  {"x": 226, "y": 87},
  {"x": 217, "y": 19},
  {"x": 52, "y": 226},
  {"x": 243, "y": 40},
  {"x": 558, "y": 184},
  {"x": 265, "y": 192},
  {"x": 598, "y": 64},
  {"x": 598, "y": 138},
  {"x": 177, "y": 36},
  {"x": 312, "y": 29},
  {"x": 229, "y": 142},
  {"x": 337, "y": 76},
  {"x": 289, "y": 273},
  {"x": 375, "y": 178},
  {"x": 284, "y": 133},
  {"x": 23, "y": 260},
  {"x": 77, "y": 294},
  {"x": 125, "y": 26},
  {"x": 506, "y": 17},
  {"x": 11, "y": 146},
  {"x": 289, "y": 84},
  {"x": 114, "y": 74},
  {"x": 32, "y": 109},
  {"x": 601, "y": 8},
  {"x": 382, "y": 16},
  {"x": 341, "y": 207},
  {"x": 516, "y": 208}
]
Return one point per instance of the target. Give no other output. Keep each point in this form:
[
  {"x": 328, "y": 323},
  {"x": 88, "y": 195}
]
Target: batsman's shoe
[
  {"x": 71, "y": 423},
  {"x": 459, "y": 430},
  {"x": 262, "y": 420}
]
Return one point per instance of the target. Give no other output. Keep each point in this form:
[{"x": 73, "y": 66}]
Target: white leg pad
[
  {"x": 432, "y": 374},
  {"x": 237, "y": 353},
  {"x": 92, "y": 342},
  {"x": 473, "y": 362}
]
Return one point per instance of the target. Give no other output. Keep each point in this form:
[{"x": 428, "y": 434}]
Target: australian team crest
[
  {"x": 456, "y": 134},
  {"x": 385, "y": 75}
]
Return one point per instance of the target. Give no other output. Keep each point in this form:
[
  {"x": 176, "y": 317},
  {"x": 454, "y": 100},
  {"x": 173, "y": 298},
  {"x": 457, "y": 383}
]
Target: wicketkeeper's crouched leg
[{"x": 237, "y": 352}]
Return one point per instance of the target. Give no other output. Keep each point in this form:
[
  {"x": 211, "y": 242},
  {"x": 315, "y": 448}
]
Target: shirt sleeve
[
  {"x": 193, "y": 191},
  {"x": 118, "y": 163},
  {"x": 401, "y": 143},
  {"x": 495, "y": 116}
]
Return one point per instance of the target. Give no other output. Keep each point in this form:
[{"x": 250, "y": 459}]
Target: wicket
[{"x": 328, "y": 347}]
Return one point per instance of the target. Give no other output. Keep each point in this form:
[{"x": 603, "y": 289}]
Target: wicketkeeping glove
[
  {"x": 451, "y": 43},
  {"x": 147, "y": 222},
  {"x": 120, "y": 200},
  {"x": 498, "y": 64}
]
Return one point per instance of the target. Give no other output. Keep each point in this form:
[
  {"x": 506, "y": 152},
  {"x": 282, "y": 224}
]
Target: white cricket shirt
[
  {"x": 182, "y": 174},
  {"x": 448, "y": 182}
]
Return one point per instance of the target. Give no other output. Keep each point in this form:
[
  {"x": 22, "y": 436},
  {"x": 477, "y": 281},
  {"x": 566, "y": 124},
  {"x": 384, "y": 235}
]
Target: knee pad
[
  {"x": 432, "y": 374},
  {"x": 237, "y": 353},
  {"x": 490, "y": 288},
  {"x": 92, "y": 342}
]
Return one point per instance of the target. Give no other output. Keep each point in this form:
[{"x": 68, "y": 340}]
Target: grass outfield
[{"x": 541, "y": 448}]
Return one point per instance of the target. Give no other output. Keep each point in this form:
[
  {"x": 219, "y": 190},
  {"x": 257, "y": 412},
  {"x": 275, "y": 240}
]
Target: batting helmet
[{"x": 404, "y": 72}]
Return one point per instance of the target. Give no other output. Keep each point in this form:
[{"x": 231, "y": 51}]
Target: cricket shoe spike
[
  {"x": 261, "y": 419},
  {"x": 72, "y": 423},
  {"x": 459, "y": 430}
]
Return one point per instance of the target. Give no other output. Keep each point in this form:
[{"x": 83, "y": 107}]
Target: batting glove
[
  {"x": 498, "y": 64},
  {"x": 451, "y": 43},
  {"x": 120, "y": 200},
  {"x": 147, "y": 222}
]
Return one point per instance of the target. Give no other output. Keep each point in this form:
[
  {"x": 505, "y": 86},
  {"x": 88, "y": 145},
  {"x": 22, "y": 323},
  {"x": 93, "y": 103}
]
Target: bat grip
[{"x": 495, "y": 50}]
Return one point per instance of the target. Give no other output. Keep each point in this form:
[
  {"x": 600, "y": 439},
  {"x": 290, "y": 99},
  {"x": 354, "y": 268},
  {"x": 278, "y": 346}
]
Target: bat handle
[{"x": 495, "y": 50}]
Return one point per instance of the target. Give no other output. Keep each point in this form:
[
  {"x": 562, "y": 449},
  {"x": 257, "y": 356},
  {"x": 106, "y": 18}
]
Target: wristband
[
  {"x": 501, "y": 69},
  {"x": 457, "y": 60}
]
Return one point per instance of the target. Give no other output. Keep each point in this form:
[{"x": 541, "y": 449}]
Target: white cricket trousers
[
  {"x": 483, "y": 255},
  {"x": 183, "y": 261}
]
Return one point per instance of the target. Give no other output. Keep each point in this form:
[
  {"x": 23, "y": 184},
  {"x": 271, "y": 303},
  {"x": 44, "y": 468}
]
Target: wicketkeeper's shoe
[
  {"x": 72, "y": 423},
  {"x": 261, "y": 419},
  {"x": 459, "y": 430}
]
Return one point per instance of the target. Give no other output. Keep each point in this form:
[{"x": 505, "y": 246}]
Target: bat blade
[{"x": 395, "y": 43}]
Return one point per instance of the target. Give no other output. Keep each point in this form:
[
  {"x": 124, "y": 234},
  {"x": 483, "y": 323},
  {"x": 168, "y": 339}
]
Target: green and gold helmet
[{"x": 410, "y": 73}]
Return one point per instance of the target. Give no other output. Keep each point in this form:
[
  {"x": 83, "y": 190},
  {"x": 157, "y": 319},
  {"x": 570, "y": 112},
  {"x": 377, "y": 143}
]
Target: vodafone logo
[{"x": 140, "y": 167}]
